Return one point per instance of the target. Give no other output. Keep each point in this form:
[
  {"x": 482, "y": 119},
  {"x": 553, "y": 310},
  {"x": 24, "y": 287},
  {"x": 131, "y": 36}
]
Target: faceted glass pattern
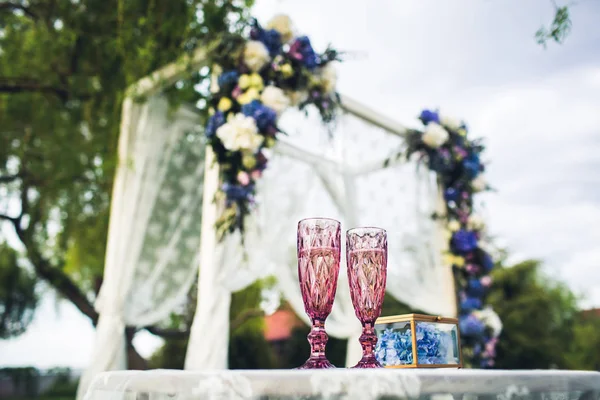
[
  {"x": 319, "y": 246},
  {"x": 366, "y": 254}
]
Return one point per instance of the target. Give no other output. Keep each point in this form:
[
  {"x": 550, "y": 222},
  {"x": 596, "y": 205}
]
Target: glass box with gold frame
[{"x": 418, "y": 341}]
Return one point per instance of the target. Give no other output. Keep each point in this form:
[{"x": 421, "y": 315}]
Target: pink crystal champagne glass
[
  {"x": 318, "y": 269},
  {"x": 366, "y": 257}
]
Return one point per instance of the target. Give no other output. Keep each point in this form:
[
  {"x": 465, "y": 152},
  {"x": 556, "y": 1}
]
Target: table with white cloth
[{"x": 433, "y": 384}]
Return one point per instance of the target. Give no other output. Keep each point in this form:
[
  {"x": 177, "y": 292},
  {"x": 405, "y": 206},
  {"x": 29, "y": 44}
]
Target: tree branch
[
  {"x": 6, "y": 5},
  {"x": 54, "y": 275},
  {"x": 9, "y": 178},
  {"x": 27, "y": 85},
  {"x": 168, "y": 333},
  {"x": 13, "y": 220},
  {"x": 62, "y": 283}
]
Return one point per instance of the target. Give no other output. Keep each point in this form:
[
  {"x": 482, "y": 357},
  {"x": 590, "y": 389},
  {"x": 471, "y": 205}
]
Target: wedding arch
[{"x": 168, "y": 201}]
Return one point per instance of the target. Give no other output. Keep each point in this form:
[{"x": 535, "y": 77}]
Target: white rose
[
  {"x": 282, "y": 24},
  {"x": 490, "y": 319},
  {"x": 240, "y": 133},
  {"x": 256, "y": 55},
  {"x": 329, "y": 78},
  {"x": 435, "y": 135},
  {"x": 476, "y": 222},
  {"x": 479, "y": 184},
  {"x": 275, "y": 98},
  {"x": 450, "y": 123},
  {"x": 297, "y": 97}
]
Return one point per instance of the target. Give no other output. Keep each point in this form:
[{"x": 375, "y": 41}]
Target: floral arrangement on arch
[
  {"x": 254, "y": 80},
  {"x": 446, "y": 149}
]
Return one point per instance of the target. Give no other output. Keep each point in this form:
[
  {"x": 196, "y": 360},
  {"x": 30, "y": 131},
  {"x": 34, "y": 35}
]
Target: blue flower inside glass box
[{"x": 418, "y": 341}]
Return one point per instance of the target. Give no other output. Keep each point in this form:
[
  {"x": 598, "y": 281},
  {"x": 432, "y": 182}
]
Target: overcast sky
[{"x": 539, "y": 111}]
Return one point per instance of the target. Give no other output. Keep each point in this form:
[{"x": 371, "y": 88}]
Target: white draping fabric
[
  {"x": 154, "y": 232},
  {"x": 159, "y": 215}
]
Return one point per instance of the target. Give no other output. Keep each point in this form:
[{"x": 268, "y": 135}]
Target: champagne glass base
[
  {"x": 368, "y": 362},
  {"x": 317, "y": 363}
]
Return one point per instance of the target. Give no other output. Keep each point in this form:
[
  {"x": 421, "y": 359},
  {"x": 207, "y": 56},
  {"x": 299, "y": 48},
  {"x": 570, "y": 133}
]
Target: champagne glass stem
[
  {"x": 317, "y": 339},
  {"x": 368, "y": 340}
]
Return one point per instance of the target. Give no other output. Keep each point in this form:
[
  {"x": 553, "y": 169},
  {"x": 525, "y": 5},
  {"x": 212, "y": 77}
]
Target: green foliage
[
  {"x": 18, "y": 297},
  {"x": 171, "y": 355},
  {"x": 294, "y": 351},
  {"x": 558, "y": 30},
  {"x": 391, "y": 306},
  {"x": 26, "y": 383},
  {"x": 582, "y": 352},
  {"x": 542, "y": 325},
  {"x": 65, "y": 66},
  {"x": 24, "y": 379},
  {"x": 63, "y": 386},
  {"x": 248, "y": 348}
]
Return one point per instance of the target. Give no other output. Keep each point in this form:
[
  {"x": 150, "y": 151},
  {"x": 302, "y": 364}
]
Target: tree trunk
[{"x": 134, "y": 359}]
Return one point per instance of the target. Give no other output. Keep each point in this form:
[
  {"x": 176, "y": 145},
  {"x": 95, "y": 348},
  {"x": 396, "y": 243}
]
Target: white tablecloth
[{"x": 346, "y": 384}]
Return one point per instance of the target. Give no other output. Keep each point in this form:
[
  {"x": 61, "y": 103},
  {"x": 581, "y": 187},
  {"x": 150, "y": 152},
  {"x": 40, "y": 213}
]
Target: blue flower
[
  {"x": 464, "y": 241},
  {"x": 264, "y": 116},
  {"x": 470, "y": 325},
  {"x": 451, "y": 194},
  {"x": 271, "y": 39},
  {"x": 250, "y": 108},
  {"x": 472, "y": 165},
  {"x": 214, "y": 122},
  {"x": 237, "y": 192},
  {"x": 475, "y": 288},
  {"x": 303, "y": 48},
  {"x": 470, "y": 304},
  {"x": 394, "y": 347},
  {"x": 228, "y": 79},
  {"x": 428, "y": 116},
  {"x": 486, "y": 262}
]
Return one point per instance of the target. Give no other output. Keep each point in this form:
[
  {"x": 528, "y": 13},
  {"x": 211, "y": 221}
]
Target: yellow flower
[
  {"x": 462, "y": 132},
  {"x": 314, "y": 80},
  {"x": 451, "y": 259},
  {"x": 270, "y": 142},
  {"x": 211, "y": 111},
  {"x": 251, "y": 94},
  {"x": 256, "y": 81},
  {"x": 286, "y": 70},
  {"x": 459, "y": 261},
  {"x": 224, "y": 104},
  {"x": 248, "y": 160},
  {"x": 448, "y": 258},
  {"x": 453, "y": 225},
  {"x": 244, "y": 81}
]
